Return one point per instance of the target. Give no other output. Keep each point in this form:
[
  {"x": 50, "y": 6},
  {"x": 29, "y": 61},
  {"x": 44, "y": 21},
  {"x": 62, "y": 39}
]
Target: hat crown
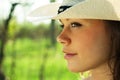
[
  {"x": 80, "y": 9},
  {"x": 70, "y": 2}
]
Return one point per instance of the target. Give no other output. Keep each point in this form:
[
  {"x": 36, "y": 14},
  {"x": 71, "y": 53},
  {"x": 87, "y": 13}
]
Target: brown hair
[{"x": 114, "y": 27}]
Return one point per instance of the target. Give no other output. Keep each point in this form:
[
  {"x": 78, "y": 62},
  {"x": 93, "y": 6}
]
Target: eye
[{"x": 75, "y": 24}]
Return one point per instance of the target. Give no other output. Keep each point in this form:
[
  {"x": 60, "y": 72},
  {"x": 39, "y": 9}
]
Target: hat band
[{"x": 63, "y": 8}]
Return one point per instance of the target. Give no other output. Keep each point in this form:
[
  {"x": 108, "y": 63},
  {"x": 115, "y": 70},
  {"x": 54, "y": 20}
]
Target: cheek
[
  {"x": 95, "y": 40},
  {"x": 88, "y": 38},
  {"x": 92, "y": 47},
  {"x": 92, "y": 37},
  {"x": 89, "y": 44}
]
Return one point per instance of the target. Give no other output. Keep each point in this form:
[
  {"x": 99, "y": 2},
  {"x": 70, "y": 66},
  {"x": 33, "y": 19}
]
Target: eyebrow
[{"x": 67, "y": 19}]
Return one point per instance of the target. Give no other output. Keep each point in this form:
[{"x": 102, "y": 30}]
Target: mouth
[{"x": 69, "y": 55}]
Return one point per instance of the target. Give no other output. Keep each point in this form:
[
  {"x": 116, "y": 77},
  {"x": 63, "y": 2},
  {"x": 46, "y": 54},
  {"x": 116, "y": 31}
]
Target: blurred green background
[{"x": 29, "y": 51}]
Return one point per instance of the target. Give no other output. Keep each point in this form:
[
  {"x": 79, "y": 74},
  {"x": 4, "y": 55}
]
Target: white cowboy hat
[{"x": 83, "y": 9}]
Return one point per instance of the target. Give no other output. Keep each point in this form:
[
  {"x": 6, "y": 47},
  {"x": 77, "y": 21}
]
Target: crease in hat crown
[{"x": 67, "y": 4}]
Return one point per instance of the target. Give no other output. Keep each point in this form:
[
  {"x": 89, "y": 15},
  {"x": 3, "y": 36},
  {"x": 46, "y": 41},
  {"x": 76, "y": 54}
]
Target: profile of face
[{"x": 86, "y": 43}]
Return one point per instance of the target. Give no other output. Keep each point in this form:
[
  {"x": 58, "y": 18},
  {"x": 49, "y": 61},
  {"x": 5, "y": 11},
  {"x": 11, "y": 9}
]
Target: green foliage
[
  {"x": 12, "y": 28},
  {"x": 28, "y": 30},
  {"x": 28, "y": 60},
  {"x": 1, "y": 29},
  {"x": 1, "y": 22},
  {"x": 52, "y": 0}
]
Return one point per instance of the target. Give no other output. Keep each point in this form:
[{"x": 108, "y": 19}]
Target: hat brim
[{"x": 45, "y": 12}]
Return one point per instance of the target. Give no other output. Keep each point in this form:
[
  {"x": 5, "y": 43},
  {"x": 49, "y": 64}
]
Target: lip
[{"x": 69, "y": 55}]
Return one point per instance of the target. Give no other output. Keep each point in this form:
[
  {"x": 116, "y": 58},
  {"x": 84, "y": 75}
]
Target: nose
[{"x": 64, "y": 38}]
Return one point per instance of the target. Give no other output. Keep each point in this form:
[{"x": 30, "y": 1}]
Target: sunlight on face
[{"x": 86, "y": 44}]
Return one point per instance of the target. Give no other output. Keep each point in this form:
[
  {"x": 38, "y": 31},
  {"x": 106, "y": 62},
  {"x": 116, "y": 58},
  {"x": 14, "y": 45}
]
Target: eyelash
[{"x": 73, "y": 25}]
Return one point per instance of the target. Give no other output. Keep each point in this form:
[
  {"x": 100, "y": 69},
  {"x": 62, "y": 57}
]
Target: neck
[{"x": 102, "y": 72}]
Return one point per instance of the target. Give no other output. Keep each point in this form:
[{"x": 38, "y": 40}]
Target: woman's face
[{"x": 86, "y": 43}]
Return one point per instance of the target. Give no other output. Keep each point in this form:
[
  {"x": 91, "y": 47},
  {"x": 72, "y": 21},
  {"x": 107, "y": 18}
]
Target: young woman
[
  {"x": 90, "y": 35},
  {"x": 92, "y": 45}
]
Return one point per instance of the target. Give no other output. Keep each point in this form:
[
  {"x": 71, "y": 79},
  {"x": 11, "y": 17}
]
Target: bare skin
[{"x": 86, "y": 46}]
